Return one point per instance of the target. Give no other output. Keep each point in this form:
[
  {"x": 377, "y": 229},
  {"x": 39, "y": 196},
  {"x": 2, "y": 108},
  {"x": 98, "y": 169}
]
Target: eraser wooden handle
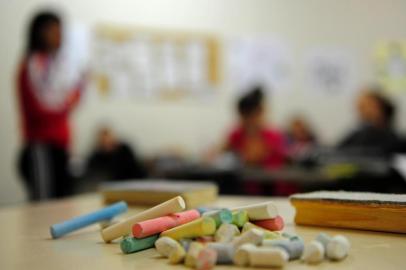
[
  {"x": 199, "y": 227},
  {"x": 115, "y": 231},
  {"x": 158, "y": 225},
  {"x": 266, "y": 210},
  {"x": 107, "y": 213}
]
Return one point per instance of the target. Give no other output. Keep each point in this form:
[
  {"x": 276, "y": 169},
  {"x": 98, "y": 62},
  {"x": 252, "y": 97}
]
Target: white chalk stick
[
  {"x": 115, "y": 231},
  {"x": 226, "y": 233},
  {"x": 338, "y": 248},
  {"x": 253, "y": 236},
  {"x": 313, "y": 252},
  {"x": 260, "y": 211},
  {"x": 268, "y": 257},
  {"x": 241, "y": 254},
  {"x": 165, "y": 245}
]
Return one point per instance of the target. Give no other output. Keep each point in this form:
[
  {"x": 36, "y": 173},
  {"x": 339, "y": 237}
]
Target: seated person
[
  {"x": 255, "y": 143},
  {"x": 258, "y": 145},
  {"x": 375, "y": 133},
  {"x": 300, "y": 138},
  {"x": 112, "y": 159}
]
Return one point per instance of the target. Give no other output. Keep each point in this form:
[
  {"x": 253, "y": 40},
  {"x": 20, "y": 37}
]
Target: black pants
[{"x": 44, "y": 169}]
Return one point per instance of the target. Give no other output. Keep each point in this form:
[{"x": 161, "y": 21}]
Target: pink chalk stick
[
  {"x": 274, "y": 224},
  {"x": 157, "y": 225}
]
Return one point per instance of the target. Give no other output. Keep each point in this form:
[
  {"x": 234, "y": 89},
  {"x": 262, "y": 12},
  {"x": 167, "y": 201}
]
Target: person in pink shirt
[
  {"x": 252, "y": 140},
  {"x": 257, "y": 144}
]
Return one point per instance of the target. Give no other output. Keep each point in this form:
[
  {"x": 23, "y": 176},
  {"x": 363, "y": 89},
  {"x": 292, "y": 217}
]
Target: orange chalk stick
[
  {"x": 274, "y": 224},
  {"x": 156, "y": 225}
]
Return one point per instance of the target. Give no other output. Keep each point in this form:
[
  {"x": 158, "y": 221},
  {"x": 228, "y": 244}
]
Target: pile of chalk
[{"x": 201, "y": 238}]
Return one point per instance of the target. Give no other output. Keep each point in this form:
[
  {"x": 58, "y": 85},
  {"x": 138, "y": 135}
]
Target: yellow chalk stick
[{"x": 199, "y": 227}]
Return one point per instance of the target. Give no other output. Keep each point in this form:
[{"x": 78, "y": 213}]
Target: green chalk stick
[
  {"x": 222, "y": 216},
  {"x": 240, "y": 218},
  {"x": 131, "y": 244}
]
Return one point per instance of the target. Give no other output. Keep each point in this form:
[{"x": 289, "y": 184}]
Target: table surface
[{"x": 26, "y": 243}]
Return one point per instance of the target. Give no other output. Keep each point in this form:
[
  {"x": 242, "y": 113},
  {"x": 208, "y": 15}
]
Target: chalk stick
[
  {"x": 313, "y": 252},
  {"x": 157, "y": 225},
  {"x": 165, "y": 245},
  {"x": 131, "y": 244},
  {"x": 274, "y": 224},
  {"x": 224, "y": 251},
  {"x": 173, "y": 205},
  {"x": 193, "y": 253},
  {"x": 107, "y": 213},
  {"x": 260, "y": 211},
  {"x": 324, "y": 239},
  {"x": 294, "y": 246},
  {"x": 206, "y": 259},
  {"x": 177, "y": 255},
  {"x": 200, "y": 227},
  {"x": 267, "y": 257},
  {"x": 171, "y": 249},
  {"x": 338, "y": 248},
  {"x": 252, "y": 236},
  {"x": 241, "y": 255},
  {"x": 240, "y": 218},
  {"x": 220, "y": 216},
  {"x": 226, "y": 233},
  {"x": 267, "y": 234}
]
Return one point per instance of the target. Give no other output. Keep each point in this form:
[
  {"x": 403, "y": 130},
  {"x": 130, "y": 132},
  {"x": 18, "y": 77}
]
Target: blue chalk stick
[{"x": 60, "y": 229}]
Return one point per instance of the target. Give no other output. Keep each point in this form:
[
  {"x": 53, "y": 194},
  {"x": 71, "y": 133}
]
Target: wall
[{"x": 357, "y": 25}]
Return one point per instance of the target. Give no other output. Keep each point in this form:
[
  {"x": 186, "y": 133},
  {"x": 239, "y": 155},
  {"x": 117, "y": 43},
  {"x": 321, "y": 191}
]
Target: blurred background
[{"x": 262, "y": 97}]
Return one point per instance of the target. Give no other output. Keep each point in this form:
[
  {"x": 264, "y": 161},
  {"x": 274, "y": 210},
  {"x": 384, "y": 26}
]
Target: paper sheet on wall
[
  {"x": 154, "y": 64},
  {"x": 390, "y": 61},
  {"x": 330, "y": 71},
  {"x": 259, "y": 61}
]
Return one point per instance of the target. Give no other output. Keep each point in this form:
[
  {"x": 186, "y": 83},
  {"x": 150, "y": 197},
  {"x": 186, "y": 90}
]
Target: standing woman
[{"x": 46, "y": 99}]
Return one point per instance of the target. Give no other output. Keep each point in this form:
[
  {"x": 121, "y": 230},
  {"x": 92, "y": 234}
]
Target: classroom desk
[{"x": 26, "y": 243}]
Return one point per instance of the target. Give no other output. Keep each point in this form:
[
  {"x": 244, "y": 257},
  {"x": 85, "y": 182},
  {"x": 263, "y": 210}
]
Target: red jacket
[
  {"x": 273, "y": 149},
  {"x": 41, "y": 124}
]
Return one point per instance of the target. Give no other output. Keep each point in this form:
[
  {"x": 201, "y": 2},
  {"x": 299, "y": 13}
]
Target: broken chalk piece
[
  {"x": 313, "y": 252},
  {"x": 267, "y": 257},
  {"x": 240, "y": 218},
  {"x": 131, "y": 244},
  {"x": 226, "y": 233},
  {"x": 274, "y": 224}
]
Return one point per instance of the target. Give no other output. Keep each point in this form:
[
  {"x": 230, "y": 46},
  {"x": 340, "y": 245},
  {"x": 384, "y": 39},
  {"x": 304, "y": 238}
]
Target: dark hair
[
  {"x": 388, "y": 109},
  {"x": 38, "y": 23},
  {"x": 250, "y": 102}
]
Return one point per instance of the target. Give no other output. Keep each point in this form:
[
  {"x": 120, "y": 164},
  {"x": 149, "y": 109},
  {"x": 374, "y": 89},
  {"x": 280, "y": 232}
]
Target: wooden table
[{"x": 25, "y": 241}]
